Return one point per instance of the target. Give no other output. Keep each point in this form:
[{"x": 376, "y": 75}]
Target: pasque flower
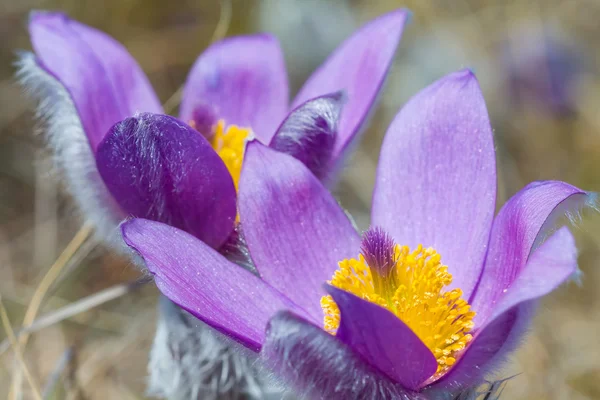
[
  {"x": 123, "y": 157},
  {"x": 431, "y": 298}
]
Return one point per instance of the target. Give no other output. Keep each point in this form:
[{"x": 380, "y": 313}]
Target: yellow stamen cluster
[
  {"x": 412, "y": 290},
  {"x": 229, "y": 144}
]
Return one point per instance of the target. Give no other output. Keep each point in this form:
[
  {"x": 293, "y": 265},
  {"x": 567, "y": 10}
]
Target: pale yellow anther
[{"x": 414, "y": 293}]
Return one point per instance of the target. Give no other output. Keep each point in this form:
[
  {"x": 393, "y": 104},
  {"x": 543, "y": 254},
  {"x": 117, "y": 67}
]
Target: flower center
[
  {"x": 229, "y": 144},
  {"x": 409, "y": 284}
]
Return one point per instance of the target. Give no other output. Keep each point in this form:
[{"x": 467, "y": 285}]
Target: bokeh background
[{"x": 537, "y": 62}]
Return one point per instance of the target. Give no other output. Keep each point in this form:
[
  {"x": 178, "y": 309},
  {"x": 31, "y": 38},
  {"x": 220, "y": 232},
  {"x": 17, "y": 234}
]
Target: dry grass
[{"x": 99, "y": 351}]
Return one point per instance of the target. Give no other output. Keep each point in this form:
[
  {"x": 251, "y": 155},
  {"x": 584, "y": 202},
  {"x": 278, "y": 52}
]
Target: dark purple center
[{"x": 377, "y": 248}]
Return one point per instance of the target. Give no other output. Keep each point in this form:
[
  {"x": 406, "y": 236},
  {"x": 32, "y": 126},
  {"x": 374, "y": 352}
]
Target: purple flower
[
  {"x": 395, "y": 319},
  {"x": 123, "y": 157}
]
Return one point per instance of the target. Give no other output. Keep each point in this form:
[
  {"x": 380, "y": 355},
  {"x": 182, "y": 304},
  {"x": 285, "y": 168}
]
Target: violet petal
[
  {"x": 157, "y": 167},
  {"x": 549, "y": 266},
  {"x": 201, "y": 281},
  {"x": 242, "y": 80},
  {"x": 487, "y": 350},
  {"x": 383, "y": 340},
  {"x": 309, "y": 132},
  {"x": 106, "y": 83},
  {"x": 71, "y": 150},
  {"x": 359, "y": 67},
  {"x": 436, "y": 179},
  {"x": 294, "y": 228},
  {"x": 318, "y": 366},
  {"x": 517, "y": 228}
]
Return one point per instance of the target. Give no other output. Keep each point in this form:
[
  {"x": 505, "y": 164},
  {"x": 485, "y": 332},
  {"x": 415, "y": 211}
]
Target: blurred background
[{"x": 537, "y": 62}]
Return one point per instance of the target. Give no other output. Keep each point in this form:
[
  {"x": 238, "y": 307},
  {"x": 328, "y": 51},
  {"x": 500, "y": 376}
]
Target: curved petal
[
  {"x": 295, "y": 230},
  {"x": 241, "y": 80},
  {"x": 383, "y": 340},
  {"x": 105, "y": 82},
  {"x": 318, "y": 366},
  {"x": 549, "y": 266},
  {"x": 159, "y": 168},
  {"x": 517, "y": 227},
  {"x": 309, "y": 132},
  {"x": 487, "y": 350},
  {"x": 201, "y": 281},
  {"x": 436, "y": 179},
  {"x": 359, "y": 67},
  {"x": 71, "y": 150}
]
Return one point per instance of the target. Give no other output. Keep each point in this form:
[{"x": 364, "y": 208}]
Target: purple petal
[
  {"x": 158, "y": 168},
  {"x": 517, "y": 228},
  {"x": 105, "y": 82},
  {"x": 358, "y": 66},
  {"x": 487, "y": 350},
  {"x": 294, "y": 228},
  {"x": 549, "y": 266},
  {"x": 318, "y": 366},
  {"x": 436, "y": 179},
  {"x": 201, "y": 281},
  {"x": 309, "y": 132},
  {"x": 383, "y": 340},
  {"x": 241, "y": 80},
  {"x": 71, "y": 150}
]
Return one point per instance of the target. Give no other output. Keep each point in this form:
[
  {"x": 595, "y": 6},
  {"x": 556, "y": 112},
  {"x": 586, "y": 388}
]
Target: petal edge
[
  {"x": 204, "y": 283},
  {"x": 383, "y": 340},
  {"x": 157, "y": 167},
  {"x": 104, "y": 81},
  {"x": 359, "y": 68},
  {"x": 436, "y": 178},
  {"x": 295, "y": 230}
]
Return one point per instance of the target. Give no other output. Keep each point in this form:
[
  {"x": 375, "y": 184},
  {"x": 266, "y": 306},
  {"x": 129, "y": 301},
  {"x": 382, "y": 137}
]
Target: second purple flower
[{"x": 154, "y": 166}]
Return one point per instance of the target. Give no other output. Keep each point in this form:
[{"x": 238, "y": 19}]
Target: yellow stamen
[
  {"x": 412, "y": 290},
  {"x": 229, "y": 144}
]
